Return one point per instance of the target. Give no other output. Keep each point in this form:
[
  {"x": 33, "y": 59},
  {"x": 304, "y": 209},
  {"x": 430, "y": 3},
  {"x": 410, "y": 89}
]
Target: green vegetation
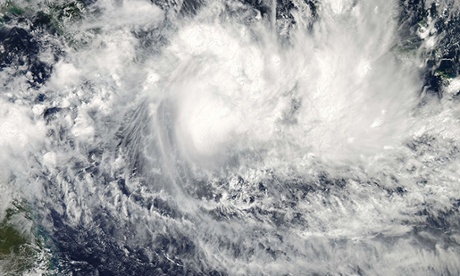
[
  {"x": 444, "y": 75},
  {"x": 58, "y": 15},
  {"x": 10, "y": 240},
  {"x": 11, "y": 9},
  {"x": 51, "y": 16},
  {"x": 422, "y": 23},
  {"x": 15, "y": 10},
  {"x": 16, "y": 251},
  {"x": 71, "y": 10},
  {"x": 19, "y": 251}
]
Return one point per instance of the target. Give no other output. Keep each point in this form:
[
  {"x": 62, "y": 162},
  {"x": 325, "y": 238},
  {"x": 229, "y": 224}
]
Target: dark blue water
[{"x": 232, "y": 137}]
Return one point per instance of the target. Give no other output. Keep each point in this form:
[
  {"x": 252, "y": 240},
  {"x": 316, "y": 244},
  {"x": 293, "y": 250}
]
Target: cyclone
[{"x": 237, "y": 137}]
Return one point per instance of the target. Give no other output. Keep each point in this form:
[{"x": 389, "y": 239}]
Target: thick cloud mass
[{"x": 230, "y": 137}]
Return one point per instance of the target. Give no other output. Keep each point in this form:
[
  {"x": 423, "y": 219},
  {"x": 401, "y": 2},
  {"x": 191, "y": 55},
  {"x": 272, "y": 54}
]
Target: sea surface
[{"x": 229, "y": 137}]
